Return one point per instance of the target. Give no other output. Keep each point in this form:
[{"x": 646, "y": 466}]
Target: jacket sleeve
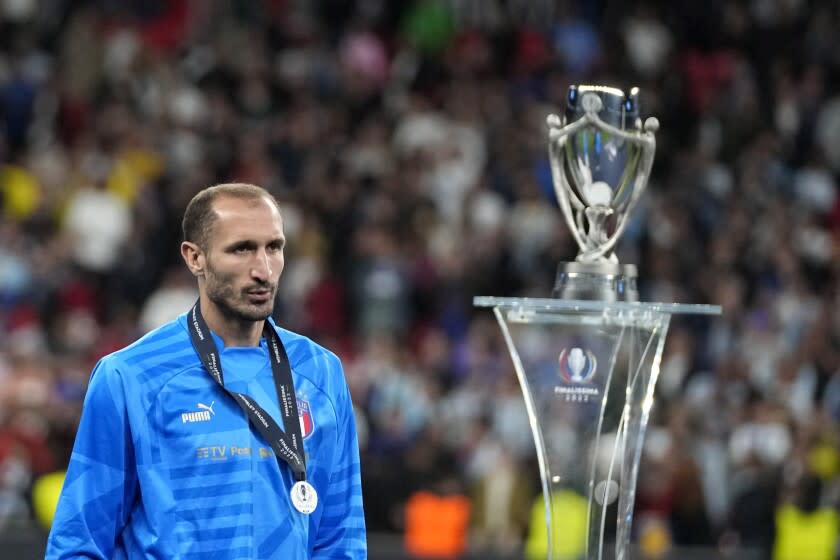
[
  {"x": 101, "y": 482},
  {"x": 341, "y": 533}
]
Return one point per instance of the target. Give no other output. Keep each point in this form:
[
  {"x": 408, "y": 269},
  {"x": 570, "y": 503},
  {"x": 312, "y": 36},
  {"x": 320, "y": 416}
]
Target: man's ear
[{"x": 193, "y": 257}]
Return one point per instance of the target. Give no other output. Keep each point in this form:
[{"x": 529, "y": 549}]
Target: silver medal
[{"x": 304, "y": 497}]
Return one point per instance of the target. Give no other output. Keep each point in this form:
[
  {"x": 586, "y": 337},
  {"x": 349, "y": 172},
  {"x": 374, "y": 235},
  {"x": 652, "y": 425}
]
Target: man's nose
[{"x": 261, "y": 266}]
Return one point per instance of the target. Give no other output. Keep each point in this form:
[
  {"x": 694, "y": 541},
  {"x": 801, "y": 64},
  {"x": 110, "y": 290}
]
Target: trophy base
[{"x": 596, "y": 281}]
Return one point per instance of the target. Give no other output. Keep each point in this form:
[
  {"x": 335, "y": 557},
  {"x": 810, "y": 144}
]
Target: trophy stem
[
  {"x": 599, "y": 281},
  {"x": 587, "y": 377}
]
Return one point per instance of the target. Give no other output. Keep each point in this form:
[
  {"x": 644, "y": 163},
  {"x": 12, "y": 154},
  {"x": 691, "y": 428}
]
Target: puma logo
[
  {"x": 205, "y": 413},
  {"x": 205, "y": 407}
]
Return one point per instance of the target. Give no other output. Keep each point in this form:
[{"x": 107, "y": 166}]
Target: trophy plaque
[{"x": 587, "y": 358}]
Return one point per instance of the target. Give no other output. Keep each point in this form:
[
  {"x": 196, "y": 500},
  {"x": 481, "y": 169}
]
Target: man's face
[{"x": 244, "y": 258}]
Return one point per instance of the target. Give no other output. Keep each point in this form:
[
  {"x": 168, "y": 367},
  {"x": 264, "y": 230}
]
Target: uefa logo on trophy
[
  {"x": 577, "y": 372},
  {"x": 577, "y": 366},
  {"x": 610, "y": 343}
]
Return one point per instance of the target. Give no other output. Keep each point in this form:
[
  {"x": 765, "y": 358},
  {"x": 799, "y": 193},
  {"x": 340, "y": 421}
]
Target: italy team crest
[{"x": 305, "y": 416}]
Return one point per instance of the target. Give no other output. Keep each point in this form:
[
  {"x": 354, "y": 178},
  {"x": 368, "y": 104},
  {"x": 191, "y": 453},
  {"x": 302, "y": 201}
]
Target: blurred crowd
[{"x": 406, "y": 142}]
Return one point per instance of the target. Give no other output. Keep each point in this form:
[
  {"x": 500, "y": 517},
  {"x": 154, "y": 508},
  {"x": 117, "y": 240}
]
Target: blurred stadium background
[{"x": 406, "y": 142}]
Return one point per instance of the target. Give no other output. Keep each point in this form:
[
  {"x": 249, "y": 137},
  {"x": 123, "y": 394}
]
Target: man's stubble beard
[{"x": 223, "y": 296}]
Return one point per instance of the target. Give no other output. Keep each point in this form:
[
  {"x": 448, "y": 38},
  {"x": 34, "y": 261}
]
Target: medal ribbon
[{"x": 287, "y": 443}]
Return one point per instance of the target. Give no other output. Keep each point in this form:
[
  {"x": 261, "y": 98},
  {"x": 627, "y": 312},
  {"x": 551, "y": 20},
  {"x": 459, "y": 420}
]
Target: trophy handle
[{"x": 558, "y": 136}]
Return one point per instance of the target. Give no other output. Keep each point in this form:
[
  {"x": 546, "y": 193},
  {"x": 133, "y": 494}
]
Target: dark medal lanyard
[{"x": 287, "y": 443}]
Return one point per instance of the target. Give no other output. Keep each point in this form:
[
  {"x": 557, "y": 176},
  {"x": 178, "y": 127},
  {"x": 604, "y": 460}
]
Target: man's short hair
[{"x": 200, "y": 216}]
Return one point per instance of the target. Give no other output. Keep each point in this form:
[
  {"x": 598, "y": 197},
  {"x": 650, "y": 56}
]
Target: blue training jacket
[{"x": 165, "y": 464}]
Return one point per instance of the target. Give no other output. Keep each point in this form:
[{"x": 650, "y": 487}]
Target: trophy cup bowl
[
  {"x": 587, "y": 359},
  {"x": 601, "y": 157}
]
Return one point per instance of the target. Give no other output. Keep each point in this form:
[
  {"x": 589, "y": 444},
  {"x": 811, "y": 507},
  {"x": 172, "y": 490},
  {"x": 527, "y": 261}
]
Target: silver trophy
[
  {"x": 601, "y": 157},
  {"x": 587, "y": 358}
]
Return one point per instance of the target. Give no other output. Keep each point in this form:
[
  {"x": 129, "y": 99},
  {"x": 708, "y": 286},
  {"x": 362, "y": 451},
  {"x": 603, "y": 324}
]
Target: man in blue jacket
[{"x": 219, "y": 434}]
